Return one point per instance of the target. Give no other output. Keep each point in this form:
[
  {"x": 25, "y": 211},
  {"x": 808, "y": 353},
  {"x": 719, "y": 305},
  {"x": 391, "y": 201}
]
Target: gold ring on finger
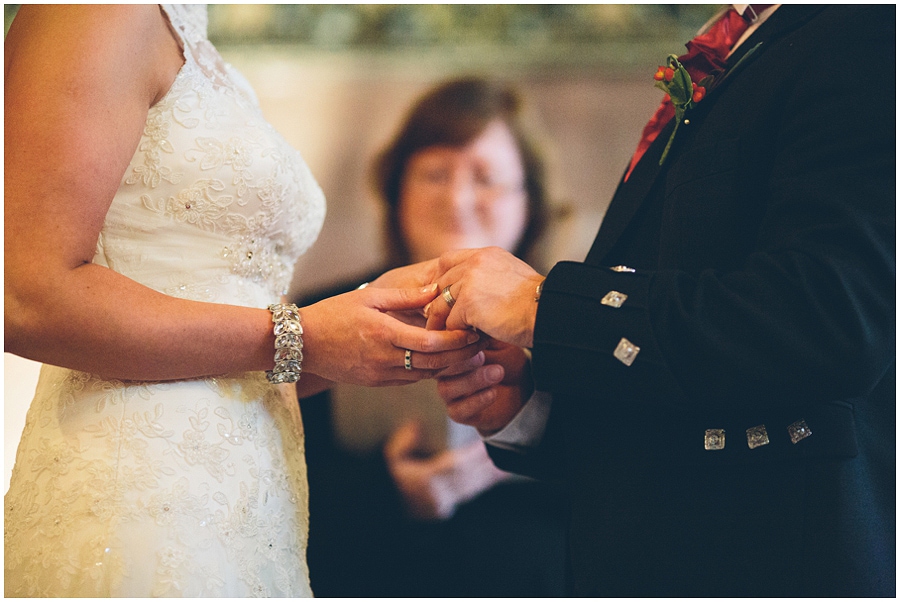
[{"x": 447, "y": 296}]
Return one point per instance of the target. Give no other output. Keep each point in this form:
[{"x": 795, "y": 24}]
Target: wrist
[{"x": 311, "y": 346}]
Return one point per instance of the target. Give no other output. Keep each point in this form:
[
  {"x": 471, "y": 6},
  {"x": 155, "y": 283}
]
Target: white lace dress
[{"x": 185, "y": 488}]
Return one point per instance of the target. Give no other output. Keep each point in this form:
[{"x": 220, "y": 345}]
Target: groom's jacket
[{"x": 725, "y": 420}]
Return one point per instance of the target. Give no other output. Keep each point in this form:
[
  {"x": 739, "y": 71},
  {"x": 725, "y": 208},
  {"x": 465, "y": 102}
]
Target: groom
[{"x": 715, "y": 383}]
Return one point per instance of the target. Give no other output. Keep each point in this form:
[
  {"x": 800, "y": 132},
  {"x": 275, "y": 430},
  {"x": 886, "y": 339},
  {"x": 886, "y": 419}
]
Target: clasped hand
[
  {"x": 363, "y": 337},
  {"x": 433, "y": 486},
  {"x": 493, "y": 293}
]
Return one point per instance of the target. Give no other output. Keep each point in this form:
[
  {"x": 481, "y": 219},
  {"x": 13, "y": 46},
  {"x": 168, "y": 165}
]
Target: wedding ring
[
  {"x": 447, "y": 296},
  {"x": 407, "y": 360}
]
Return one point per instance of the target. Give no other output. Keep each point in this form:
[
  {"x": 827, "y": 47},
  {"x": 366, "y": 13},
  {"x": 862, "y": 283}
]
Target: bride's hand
[
  {"x": 351, "y": 338},
  {"x": 417, "y": 275}
]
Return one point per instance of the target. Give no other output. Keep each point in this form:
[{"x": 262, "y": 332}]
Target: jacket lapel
[{"x": 630, "y": 195}]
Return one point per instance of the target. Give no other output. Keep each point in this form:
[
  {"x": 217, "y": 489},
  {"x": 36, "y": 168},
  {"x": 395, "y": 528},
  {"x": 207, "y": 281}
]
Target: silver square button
[
  {"x": 626, "y": 351},
  {"x": 757, "y": 436},
  {"x": 614, "y": 299},
  {"x": 714, "y": 439},
  {"x": 799, "y": 431}
]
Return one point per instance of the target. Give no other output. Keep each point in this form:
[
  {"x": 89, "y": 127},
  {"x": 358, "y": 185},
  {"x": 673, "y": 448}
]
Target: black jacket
[{"x": 763, "y": 294}]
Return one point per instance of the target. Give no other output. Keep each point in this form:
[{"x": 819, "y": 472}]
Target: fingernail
[
  {"x": 427, "y": 310},
  {"x": 493, "y": 373},
  {"x": 430, "y": 288},
  {"x": 473, "y": 338}
]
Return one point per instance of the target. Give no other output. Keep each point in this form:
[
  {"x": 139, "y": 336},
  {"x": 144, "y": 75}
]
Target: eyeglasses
[{"x": 439, "y": 180}]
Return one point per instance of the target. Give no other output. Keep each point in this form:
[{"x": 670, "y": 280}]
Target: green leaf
[
  {"x": 680, "y": 88},
  {"x": 682, "y": 79}
]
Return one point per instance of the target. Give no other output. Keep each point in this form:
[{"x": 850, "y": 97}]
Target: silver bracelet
[{"x": 288, "y": 344}]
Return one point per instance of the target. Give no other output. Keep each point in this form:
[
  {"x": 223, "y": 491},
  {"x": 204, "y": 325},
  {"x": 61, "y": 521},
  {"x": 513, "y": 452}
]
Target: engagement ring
[{"x": 407, "y": 360}]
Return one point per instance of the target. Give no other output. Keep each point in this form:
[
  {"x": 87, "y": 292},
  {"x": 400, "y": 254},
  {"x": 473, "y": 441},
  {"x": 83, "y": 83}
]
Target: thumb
[
  {"x": 436, "y": 316},
  {"x": 400, "y": 299}
]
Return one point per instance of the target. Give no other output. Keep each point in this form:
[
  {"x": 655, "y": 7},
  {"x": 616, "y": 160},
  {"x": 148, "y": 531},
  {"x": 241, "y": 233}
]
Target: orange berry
[{"x": 670, "y": 73}]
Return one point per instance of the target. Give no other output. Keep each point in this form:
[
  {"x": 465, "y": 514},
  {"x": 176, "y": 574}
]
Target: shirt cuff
[{"x": 526, "y": 430}]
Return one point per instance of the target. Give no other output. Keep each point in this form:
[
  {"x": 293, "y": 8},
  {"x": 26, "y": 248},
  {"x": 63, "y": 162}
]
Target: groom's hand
[
  {"x": 490, "y": 290},
  {"x": 489, "y": 396}
]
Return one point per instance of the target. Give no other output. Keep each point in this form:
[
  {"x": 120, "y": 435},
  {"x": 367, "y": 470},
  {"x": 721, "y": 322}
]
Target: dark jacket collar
[{"x": 631, "y": 194}]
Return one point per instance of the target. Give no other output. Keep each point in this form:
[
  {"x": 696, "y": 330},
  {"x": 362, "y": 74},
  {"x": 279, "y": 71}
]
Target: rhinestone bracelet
[{"x": 288, "y": 344}]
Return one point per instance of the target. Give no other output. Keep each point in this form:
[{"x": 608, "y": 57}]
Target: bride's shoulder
[
  {"x": 90, "y": 24},
  {"x": 126, "y": 45}
]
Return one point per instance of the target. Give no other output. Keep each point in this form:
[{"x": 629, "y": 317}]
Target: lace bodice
[{"x": 214, "y": 196}]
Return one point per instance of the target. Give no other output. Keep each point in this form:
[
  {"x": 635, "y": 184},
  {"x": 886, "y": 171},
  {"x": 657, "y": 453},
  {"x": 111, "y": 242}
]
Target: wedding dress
[{"x": 184, "y": 488}]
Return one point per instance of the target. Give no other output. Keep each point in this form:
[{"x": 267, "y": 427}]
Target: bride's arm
[{"x": 79, "y": 82}]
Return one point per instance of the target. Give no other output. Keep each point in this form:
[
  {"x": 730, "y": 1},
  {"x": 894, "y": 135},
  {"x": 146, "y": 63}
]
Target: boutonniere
[{"x": 675, "y": 81}]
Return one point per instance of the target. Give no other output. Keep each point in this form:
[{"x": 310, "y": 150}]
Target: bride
[{"x": 152, "y": 222}]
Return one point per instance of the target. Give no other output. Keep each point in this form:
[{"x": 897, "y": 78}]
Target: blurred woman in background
[{"x": 405, "y": 502}]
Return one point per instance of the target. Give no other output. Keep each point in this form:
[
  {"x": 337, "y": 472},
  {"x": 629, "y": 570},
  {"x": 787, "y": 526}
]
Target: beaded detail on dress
[{"x": 183, "y": 488}]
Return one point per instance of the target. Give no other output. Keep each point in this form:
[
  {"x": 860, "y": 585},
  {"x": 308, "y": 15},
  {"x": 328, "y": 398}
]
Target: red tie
[{"x": 706, "y": 54}]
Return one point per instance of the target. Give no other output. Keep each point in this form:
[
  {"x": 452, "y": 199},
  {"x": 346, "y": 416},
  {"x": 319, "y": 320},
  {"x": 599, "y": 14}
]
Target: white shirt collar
[{"x": 740, "y": 8}]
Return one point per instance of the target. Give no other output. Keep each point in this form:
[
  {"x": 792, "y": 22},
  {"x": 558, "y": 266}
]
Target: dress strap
[{"x": 190, "y": 22}]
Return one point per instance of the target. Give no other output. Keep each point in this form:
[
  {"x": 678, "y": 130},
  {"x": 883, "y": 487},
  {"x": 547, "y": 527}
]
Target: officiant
[{"x": 403, "y": 499}]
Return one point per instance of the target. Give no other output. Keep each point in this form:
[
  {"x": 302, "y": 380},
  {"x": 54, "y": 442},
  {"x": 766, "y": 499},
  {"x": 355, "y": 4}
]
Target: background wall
[
  {"x": 338, "y": 106},
  {"x": 340, "y": 111}
]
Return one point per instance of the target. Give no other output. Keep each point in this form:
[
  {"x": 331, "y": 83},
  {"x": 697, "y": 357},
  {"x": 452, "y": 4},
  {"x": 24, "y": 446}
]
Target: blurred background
[{"x": 335, "y": 80}]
